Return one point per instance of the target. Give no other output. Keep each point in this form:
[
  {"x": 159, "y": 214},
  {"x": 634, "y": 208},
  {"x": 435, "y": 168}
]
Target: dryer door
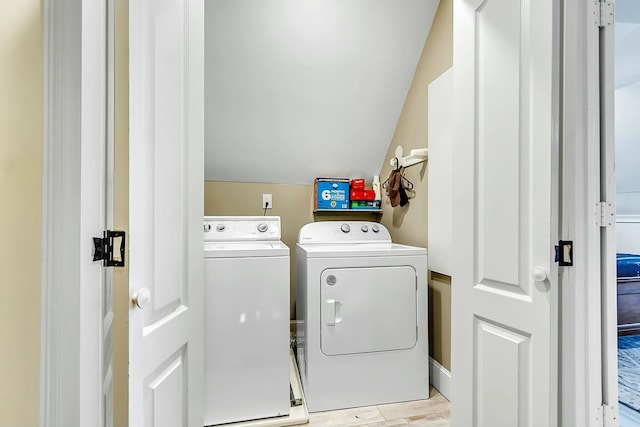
[{"x": 368, "y": 309}]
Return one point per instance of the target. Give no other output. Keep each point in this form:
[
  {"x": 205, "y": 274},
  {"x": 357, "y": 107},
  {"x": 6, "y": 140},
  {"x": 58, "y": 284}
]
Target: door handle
[
  {"x": 333, "y": 316},
  {"x": 539, "y": 274},
  {"x": 142, "y": 298},
  {"x": 331, "y": 321}
]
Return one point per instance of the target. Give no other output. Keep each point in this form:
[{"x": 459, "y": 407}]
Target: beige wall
[
  {"x": 21, "y": 213},
  {"x": 440, "y": 318},
  {"x": 408, "y": 224}
]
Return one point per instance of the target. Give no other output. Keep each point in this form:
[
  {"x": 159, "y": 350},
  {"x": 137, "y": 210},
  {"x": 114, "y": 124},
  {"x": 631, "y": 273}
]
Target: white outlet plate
[{"x": 267, "y": 198}]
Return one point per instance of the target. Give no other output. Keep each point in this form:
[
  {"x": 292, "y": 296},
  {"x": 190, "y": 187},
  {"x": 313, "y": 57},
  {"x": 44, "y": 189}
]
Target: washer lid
[
  {"x": 326, "y": 250},
  {"x": 245, "y": 249}
]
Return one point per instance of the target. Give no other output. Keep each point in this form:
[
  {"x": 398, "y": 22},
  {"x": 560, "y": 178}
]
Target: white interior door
[
  {"x": 166, "y": 81},
  {"x": 505, "y": 179}
]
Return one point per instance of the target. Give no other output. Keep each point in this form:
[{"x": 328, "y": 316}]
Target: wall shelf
[
  {"x": 418, "y": 155},
  {"x": 341, "y": 211}
]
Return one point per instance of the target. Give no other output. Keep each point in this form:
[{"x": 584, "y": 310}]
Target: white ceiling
[{"x": 297, "y": 89}]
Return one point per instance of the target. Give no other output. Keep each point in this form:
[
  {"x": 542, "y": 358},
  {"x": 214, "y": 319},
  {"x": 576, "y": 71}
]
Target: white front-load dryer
[
  {"x": 246, "y": 366},
  {"x": 362, "y": 316}
]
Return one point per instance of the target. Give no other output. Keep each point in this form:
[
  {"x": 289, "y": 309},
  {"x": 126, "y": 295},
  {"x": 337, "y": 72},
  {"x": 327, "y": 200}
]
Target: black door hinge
[
  {"x": 104, "y": 248},
  {"x": 564, "y": 253}
]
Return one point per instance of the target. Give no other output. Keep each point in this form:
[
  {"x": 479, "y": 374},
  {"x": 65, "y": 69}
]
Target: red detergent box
[
  {"x": 357, "y": 184},
  {"x": 331, "y": 193},
  {"x": 368, "y": 195},
  {"x": 362, "y": 194},
  {"x": 356, "y": 194}
]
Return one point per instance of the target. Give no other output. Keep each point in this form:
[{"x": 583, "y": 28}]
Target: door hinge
[
  {"x": 606, "y": 415},
  {"x": 564, "y": 253},
  {"x": 609, "y": 415},
  {"x": 604, "y": 214},
  {"x": 603, "y": 13},
  {"x": 599, "y": 415},
  {"x": 104, "y": 248}
]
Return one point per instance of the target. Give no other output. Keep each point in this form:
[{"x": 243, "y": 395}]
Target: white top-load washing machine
[
  {"x": 246, "y": 364},
  {"x": 362, "y": 316}
]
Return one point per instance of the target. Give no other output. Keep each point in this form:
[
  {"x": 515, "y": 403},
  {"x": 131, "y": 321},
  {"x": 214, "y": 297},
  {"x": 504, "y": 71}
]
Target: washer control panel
[
  {"x": 344, "y": 232},
  {"x": 241, "y": 228}
]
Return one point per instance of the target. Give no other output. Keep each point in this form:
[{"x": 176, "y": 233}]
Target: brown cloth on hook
[{"x": 395, "y": 190}]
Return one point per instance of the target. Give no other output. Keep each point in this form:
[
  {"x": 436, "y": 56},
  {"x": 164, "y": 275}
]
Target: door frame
[
  {"x": 73, "y": 211},
  {"x": 608, "y": 246},
  {"x": 587, "y": 396}
]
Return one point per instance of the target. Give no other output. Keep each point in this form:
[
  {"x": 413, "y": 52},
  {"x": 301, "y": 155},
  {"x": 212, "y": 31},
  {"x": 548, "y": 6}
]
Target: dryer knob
[
  {"x": 207, "y": 227},
  {"x": 345, "y": 228},
  {"x": 221, "y": 227},
  {"x": 364, "y": 228},
  {"x": 375, "y": 228},
  {"x": 262, "y": 227}
]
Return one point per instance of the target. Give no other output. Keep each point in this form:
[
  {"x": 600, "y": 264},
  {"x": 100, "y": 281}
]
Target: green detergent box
[{"x": 331, "y": 193}]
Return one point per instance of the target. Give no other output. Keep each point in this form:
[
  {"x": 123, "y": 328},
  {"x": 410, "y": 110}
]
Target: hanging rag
[{"x": 395, "y": 189}]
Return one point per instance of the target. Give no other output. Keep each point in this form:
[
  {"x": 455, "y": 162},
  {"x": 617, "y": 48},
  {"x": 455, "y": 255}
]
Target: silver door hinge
[
  {"x": 610, "y": 415},
  {"x": 604, "y": 215},
  {"x": 603, "y": 13},
  {"x": 606, "y": 415}
]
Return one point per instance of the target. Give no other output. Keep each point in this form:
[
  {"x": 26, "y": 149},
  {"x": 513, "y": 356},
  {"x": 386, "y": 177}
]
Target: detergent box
[{"x": 331, "y": 193}]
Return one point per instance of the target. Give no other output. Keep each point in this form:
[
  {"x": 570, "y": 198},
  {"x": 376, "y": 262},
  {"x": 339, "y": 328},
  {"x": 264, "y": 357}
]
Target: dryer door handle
[{"x": 332, "y": 310}]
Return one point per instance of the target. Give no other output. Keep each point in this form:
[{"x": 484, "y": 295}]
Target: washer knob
[
  {"x": 221, "y": 227},
  {"x": 364, "y": 228},
  {"x": 375, "y": 228},
  {"x": 207, "y": 227},
  {"x": 345, "y": 228},
  {"x": 262, "y": 227}
]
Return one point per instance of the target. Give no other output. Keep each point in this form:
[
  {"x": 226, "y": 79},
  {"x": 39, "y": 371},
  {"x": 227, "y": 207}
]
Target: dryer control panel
[
  {"x": 344, "y": 232},
  {"x": 241, "y": 228}
]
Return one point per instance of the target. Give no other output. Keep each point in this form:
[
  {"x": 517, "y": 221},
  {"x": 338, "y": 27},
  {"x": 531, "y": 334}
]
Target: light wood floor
[{"x": 433, "y": 412}]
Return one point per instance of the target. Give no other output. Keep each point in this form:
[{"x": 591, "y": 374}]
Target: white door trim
[
  {"x": 581, "y": 396},
  {"x": 608, "y": 246},
  {"x": 73, "y": 209}
]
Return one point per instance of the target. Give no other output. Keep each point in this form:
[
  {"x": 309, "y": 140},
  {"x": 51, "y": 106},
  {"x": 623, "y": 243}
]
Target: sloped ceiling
[{"x": 297, "y": 89}]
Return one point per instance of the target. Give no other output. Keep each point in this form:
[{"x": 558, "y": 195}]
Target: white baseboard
[{"x": 440, "y": 378}]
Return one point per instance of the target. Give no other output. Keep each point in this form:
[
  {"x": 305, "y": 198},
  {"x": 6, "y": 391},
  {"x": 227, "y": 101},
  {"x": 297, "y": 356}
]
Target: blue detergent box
[{"x": 331, "y": 193}]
